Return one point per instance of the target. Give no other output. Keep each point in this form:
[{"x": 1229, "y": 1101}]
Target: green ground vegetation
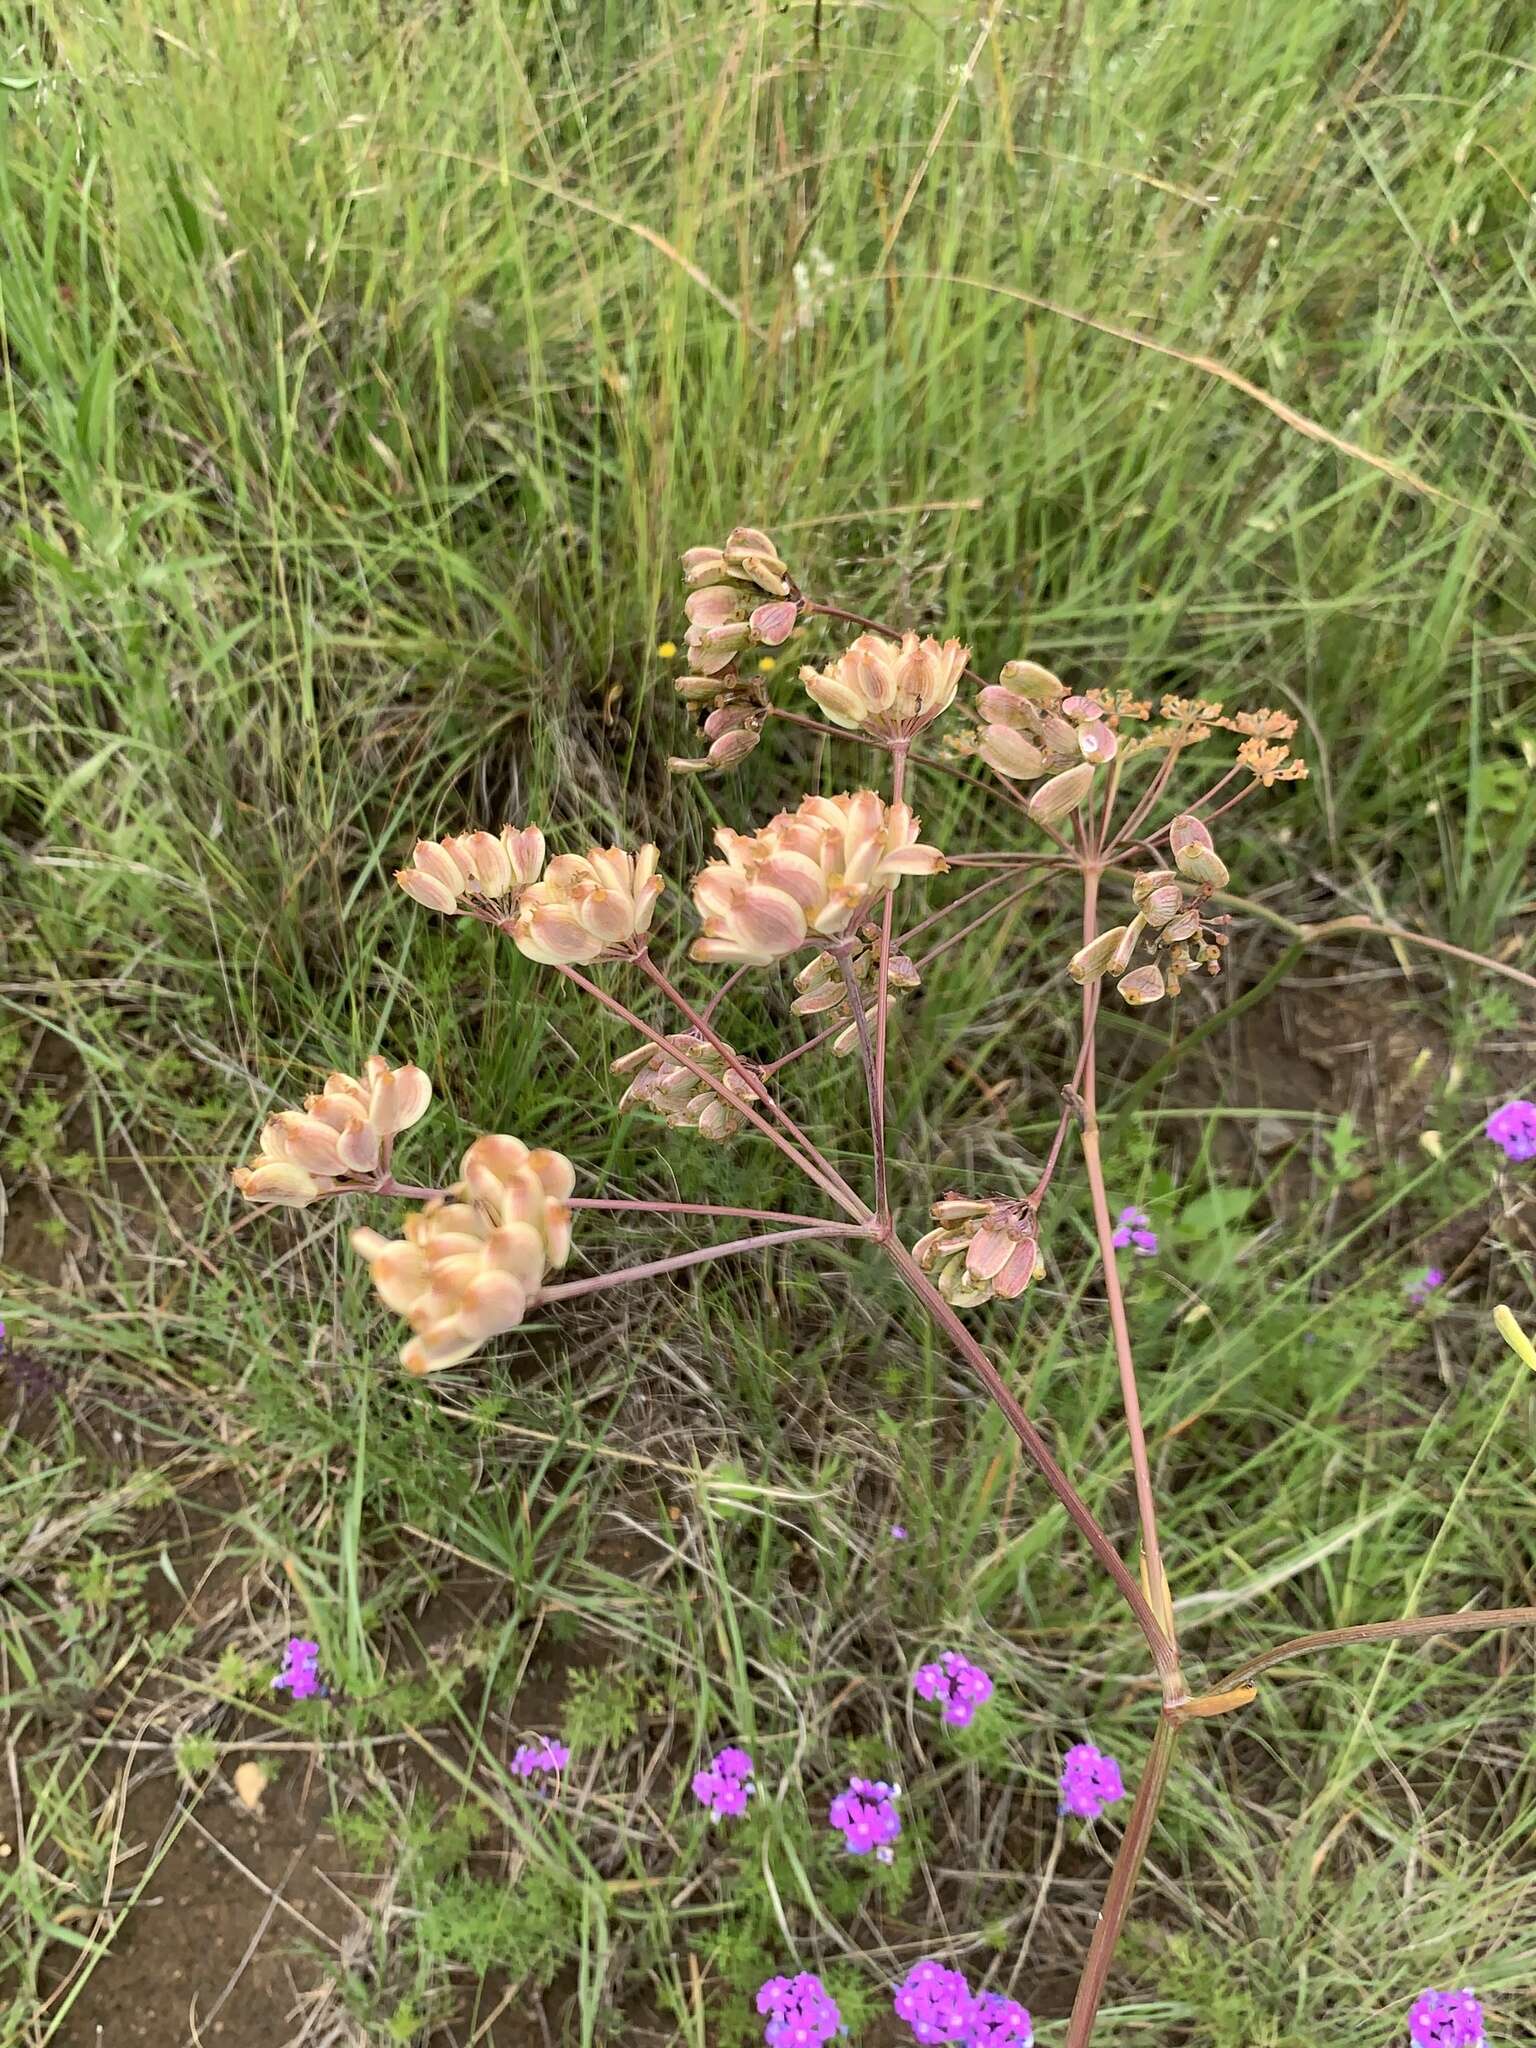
[{"x": 365, "y": 369}]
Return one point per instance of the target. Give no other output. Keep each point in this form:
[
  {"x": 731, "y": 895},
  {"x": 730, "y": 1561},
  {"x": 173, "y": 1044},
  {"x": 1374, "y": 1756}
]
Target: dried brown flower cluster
[
  {"x": 674, "y": 1091},
  {"x": 340, "y": 1140},
  {"x": 589, "y": 906},
  {"x": 981, "y": 1249},
  {"x": 473, "y": 871},
  {"x": 891, "y": 689},
  {"x": 1172, "y": 919},
  {"x": 824, "y": 992},
  {"x": 740, "y": 596},
  {"x": 468, "y": 1269},
  {"x": 809, "y": 873},
  {"x": 1189, "y": 721},
  {"x": 731, "y": 708}
]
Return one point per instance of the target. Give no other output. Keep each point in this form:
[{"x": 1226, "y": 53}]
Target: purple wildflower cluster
[
  {"x": 934, "y": 2002},
  {"x": 938, "y": 2005},
  {"x": 1514, "y": 1128},
  {"x": 725, "y": 1784},
  {"x": 799, "y": 2012},
  {"x": 866, "y": 1814},
  {"x": 1133, "y": 1232},
  {"x": 1446, "y": 2019},
  {"x": 998, "y": 2022},
  {"x": 1090, "y": 1781},
  {"x": 540, "y": 1758},
  {"x": 955, "y": 1681},
  {"x": 300, "y": 1675},
  {"x": 1425, "y": 1285}
]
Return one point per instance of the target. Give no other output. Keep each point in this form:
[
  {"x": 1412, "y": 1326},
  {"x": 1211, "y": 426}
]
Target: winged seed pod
[
  {"x": 1194, "y": 853},
  {"x": 889, "y": 688},
  {"x": 1036, "y": 685},
  {"x": 773, "y": 623},
  {"x": 725, "y": 607},
  {"x": 718, "y": 626},
  {"x": 748, "y": 557},
  {"x": 452, "y": 875},
  {"x": 1142, "y": 985},
  {"x": 1109, "y": 953},
  {"x": 808, "y": 873},
  {"x": 731, "y": 708},
  {"x": 590, "y": 906},
  {"x": 732, "y": 732},
  {"x": 670, "y": 1090},
  {"x": 340, "y": 1140},
  {"x": 1161, "y": 903},
  {"x": 823, "y": 990},
  {"x": 981, "y": 1249},
  {"x": 466, "y": 1270},
  {"x": 1061, "y": 795},
  {"x": 1012, "y": 754}
]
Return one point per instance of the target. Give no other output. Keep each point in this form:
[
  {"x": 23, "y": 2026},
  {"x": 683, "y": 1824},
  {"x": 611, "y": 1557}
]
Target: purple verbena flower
[
  {"x": 1090, "y": 1781},
  {"x": 1133, "y": 1232},
  {"x": 898, "y": 1532},
  {"x": 536, "y": 1759},
  {"x": 1514, "y": 1127},
  {"x": 997, "y": 2022},
  {"x": 300, "y": 1675},
  {"x": 725, "y": 1784},
  {"x": 799, "y": 2012},
  {"x": 867, "y": 1815},
  {"x": 1446, "y": 2019},
  {"x": 1425, "y": 1285},
  {"x": 934, "y": 2002},
  {"x": 955, "y": 1681}
]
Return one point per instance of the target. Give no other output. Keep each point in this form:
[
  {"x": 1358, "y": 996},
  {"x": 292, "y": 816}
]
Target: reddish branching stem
[
  {"x": 1146, "y": 1505},
  {"x": 1122, "y": 1884},
  {"x": 1098, "y": 846},
  {"x": 883, "y": 1010},
  {"x": 704, "y": 1254}
]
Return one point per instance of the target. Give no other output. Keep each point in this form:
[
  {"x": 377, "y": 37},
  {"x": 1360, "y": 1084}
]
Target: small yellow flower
[
  {"x": 667, "y": 649},
  {"x": 767, "y": 663}
]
